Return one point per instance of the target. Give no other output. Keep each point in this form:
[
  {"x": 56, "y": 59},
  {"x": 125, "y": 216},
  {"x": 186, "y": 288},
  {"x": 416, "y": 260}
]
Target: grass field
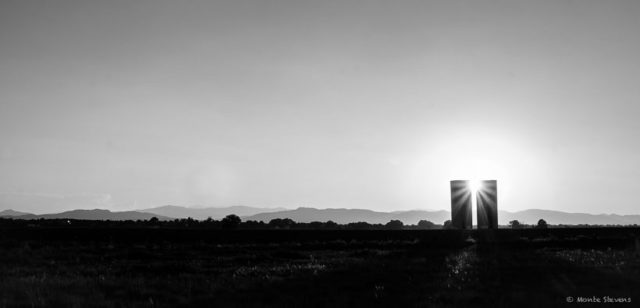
[{"x": 432, "y": 268}]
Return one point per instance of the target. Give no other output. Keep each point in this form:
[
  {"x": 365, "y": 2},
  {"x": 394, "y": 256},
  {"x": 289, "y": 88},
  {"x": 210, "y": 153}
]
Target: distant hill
[
  {"x": 96, "y": 214},
  {"x": 557, "y": 217},
  {"x": 204, "y": 213},
  {"x": 12, "y": 213},
  {"x": 343, "y": 216}
]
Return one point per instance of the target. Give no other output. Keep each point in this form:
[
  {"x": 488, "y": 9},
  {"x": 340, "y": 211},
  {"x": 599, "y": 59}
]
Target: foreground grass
[{"x": 329, "y": 273}]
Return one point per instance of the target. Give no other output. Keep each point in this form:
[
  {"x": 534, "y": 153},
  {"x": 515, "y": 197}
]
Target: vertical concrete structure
[
  {"x": 487, "y": 205},
  {"x": 461, "y": 205}
]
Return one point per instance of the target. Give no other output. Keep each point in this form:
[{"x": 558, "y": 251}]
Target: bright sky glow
[{"x": 354, "y": 104}]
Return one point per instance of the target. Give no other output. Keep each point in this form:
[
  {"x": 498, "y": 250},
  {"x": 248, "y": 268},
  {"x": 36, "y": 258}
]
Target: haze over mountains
[
  {"x": 438, "y": 217},
  {"x": 556, "y": 217},
  {"x": 96, "y": 214},
  {"x": 12, "y": 213},
  {"x": 342, "y": 216},
  {"x": 204, "y": 213}
]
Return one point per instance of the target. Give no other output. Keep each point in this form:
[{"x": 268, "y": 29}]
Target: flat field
[{"x": 161, "y": 267}]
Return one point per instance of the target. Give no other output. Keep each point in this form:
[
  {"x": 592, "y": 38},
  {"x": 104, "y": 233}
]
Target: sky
[{"x": 377, "y": 105}]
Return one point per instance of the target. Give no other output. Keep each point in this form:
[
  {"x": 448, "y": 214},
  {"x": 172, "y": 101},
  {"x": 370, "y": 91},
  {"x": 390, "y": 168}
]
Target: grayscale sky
[{"x": 358, "y": 104}]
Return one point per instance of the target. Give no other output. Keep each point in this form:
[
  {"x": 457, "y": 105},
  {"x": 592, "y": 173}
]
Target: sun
[{"x": 475, "y": 185}]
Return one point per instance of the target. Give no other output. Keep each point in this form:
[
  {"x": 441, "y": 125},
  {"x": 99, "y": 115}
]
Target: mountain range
[
  {"x": 556, "y": 217},
  {"x": 412, "y": 217},
  {"x": 204, "y": 213},
  {"x": 342, "y": 216},
  {"x": 96, "y": 214}
]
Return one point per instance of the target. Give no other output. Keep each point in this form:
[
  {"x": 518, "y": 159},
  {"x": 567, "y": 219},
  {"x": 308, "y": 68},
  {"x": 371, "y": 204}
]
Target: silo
[
  {"x": 487, "y": 205},
  {"x": 461, "y": 205}
]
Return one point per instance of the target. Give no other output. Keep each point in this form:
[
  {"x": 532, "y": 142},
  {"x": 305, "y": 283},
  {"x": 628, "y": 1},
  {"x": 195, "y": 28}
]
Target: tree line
[
  {"x": 232, "y": 221},
  {"x": 229, "y": 222}
]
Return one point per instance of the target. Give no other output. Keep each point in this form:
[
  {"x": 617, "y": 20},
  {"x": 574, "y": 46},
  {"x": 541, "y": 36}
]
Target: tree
[
  {"x": 425, "y": 224},
  {"x": 515, "y": 224},
  {"x": 231, "y": 222},
  {"x": 361, "y": 225},
  {"x": 279, "y": 223},
  {"x": 447, "y": 225},
  {"x": 330, "y": 224},
  {"x": 542, "y": 224},
  {"x": 394, "y": 225},
  {"x": 316, "y": 225}
]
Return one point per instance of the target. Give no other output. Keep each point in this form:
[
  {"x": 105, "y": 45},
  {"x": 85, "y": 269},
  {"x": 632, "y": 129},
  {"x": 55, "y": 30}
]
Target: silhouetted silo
[
  {"x": 487, "y": 205},
  {"x": 461, "y": 205}
]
